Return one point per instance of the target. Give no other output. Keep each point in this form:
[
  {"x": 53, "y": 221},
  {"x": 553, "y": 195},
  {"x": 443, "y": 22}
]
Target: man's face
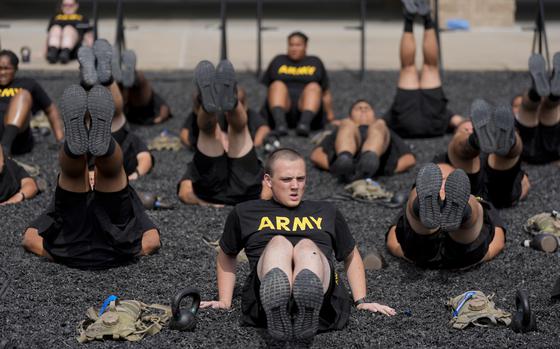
[
  {"x": 69, "y": 7},
  {"x": 287, "y": 181},
  {"x": 362, "y": 113},
  {"x": 296, "y": 48},
  {"x": 7, "y": 71}
]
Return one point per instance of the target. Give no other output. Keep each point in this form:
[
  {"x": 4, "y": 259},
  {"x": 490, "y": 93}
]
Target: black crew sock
[
  {"x": 112, "y": 147},
  {"x": 345, "y": 153},
  {"x": 554, "y": 98},
  {"x": 306, "y": 117},
  {"x": 279, "y": 116},
  {"x": 416, "y": 207},
  {"x": 428, "y": 23},
  {"x": 473, "y": 141},
  {"x": 8, "y": 137},
  {"x": 68, "y": 152},
  {"x": 64, "y": 55},
  {"x": 533, "y": 95},
  {"x": 408, "y": 24}
]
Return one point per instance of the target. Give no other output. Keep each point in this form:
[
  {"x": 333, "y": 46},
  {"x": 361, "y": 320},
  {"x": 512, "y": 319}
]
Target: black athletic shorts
[
  {"x": 501, "y": 188},
  {"x": 293, "y": 115},
  {"x": 145, "y": 115},
  {"x": 439, "y": 251},
  {"x": 93, "y": 230},
  {"x": 419, "y": 113},
  {"x": 387, "y": 162},
  {"x": 333, "y": 315},
  {"x": 541, "y": 144},
  {"x": 224, "y": 180}
]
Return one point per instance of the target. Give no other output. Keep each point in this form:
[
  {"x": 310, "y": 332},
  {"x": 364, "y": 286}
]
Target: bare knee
[
  {"x": 319, "y": 158},
  {"x": 150, "y": 242},
  {"x": 306, "y": 248},
  {"x": 393, "y": 244},
  {"x": 280, "y": 241},
  {"x": 32, "y": 242},
  {"x": 347, "y": 123},
  {"x": 405, "y": 162},
  {"x": 55, "y": 30},
  {"x": 313, "y": 87}
]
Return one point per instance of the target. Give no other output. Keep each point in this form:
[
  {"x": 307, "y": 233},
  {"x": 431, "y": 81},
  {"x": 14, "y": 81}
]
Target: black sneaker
[
  {"x": 504, "y": 128},
  {"x": 101, "y": 109},
  {"x": 423, "y": 7},
  {"x": 457, "y": 192},
  {"x": 275, "y": 295},
  {"x": 555, "y": 79},
  {"x": 368, "y": 164},
  {"x": 73, "y": 107},
  {"x": 52, "y": 54},
  {"x": 428, "y": 186},
  {"x": 537, "y": 69},
  {"x": 483, "y": 125},
  {"x": 128, "y": 68},
  {"x": 103, "y": 55},
  {"x": 88, "y": 73},
  {"x": 64, "y": 56},
  {"x": 343, "y": 167},
  {"x": 271, "y": 142},
  {"x": 409, "y": 8},
  {"x": 308, "y": 296},
  {"x": 204, "y": 76},
  {"x": 226, "y": 86},
  {"x": 303, "y": 129}
]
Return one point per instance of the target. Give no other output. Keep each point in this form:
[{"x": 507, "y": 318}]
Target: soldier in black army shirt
[
  {"x": 298, "y": 90},
  {"x": 19, "y": 98},
  {"x": 291, "y": 245},
  {"x": 66, "y": 32}
]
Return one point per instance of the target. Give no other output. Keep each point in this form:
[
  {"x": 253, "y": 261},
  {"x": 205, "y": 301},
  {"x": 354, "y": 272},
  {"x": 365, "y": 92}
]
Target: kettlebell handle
[
  {"x": 522, "y": 305},
  {"x": 187, "y": 292}
]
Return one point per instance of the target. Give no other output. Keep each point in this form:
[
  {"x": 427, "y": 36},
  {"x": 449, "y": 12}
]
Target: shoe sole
[
  {"x": 103, "y": 54},
  {"x": 204, "y": 75},
  {"x": 410, "y": 6},
  {"x": 275, "y": 294},
  {"x": 555, "y": 81},
  {"x": 101, "y": 109},
  {"x": 537, "y": 69},
  {"x": 457, "y": 192},
  {"x": 308, "y": 296},
  {"x": 86, "y": 58},
  {"x": 226, "y": 85},
  {"x": 504, "y": 130},
  {"x": 423, "y": 8},
  {"x": 428, "y": 185},
  {"x": 128, "y": 68},
  {"x": 481, "y": 115},
  {"x": 73, "y": 107}
]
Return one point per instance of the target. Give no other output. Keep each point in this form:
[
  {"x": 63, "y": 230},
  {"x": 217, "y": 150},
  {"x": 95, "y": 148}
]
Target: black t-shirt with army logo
[
  {"x": 10, "y": 179},
  {"x": 41, "y": 100},
  {"x": 78, "y": 21},
  {"x": 252, "y": 224},
  {"x": 296, "y": 74}
]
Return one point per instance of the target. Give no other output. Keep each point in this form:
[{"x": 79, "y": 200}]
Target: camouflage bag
[
  {"x": 367, "y": 189},
  {"x": 215, "y": 244},
  {"x": 123, "y": 320},
  {"x": 165, "y": 141},
  {"x": 547, "y": 222},
  {"x": 475, "y": 308}
]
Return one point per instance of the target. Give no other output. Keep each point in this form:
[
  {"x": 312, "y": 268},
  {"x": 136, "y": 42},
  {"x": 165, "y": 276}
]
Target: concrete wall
[{"x": 480, "y": 13}]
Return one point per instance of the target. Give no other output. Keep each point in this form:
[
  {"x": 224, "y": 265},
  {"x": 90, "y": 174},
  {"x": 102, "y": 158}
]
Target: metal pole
[
  {"x": 543, "y": 37},
  {"x": 259, "y": 37},
  {"x": 223, "y": 9},
  {"x": 363, "y": 9},
  {"x": 95, "y": 16},
  {"x": 436, "y": 19}
]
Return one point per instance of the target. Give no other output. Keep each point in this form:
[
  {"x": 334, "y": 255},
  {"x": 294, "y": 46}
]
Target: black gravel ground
[{"x": 45, "y": 302}]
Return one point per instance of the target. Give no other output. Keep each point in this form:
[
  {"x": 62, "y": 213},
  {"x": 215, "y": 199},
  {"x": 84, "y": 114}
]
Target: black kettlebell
[
  {"x": 524, "y": 319},
  {"x": 184, "y": 319}
]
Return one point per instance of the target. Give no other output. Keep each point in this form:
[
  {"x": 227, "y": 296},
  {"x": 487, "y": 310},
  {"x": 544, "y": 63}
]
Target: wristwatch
[{"x": 360, "y": 301}]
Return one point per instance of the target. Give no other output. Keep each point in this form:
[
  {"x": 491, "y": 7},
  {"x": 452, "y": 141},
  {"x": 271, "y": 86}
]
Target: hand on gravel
[
  {"x": 214, "y": 305},
  {"x": 377, "y": 308}
]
